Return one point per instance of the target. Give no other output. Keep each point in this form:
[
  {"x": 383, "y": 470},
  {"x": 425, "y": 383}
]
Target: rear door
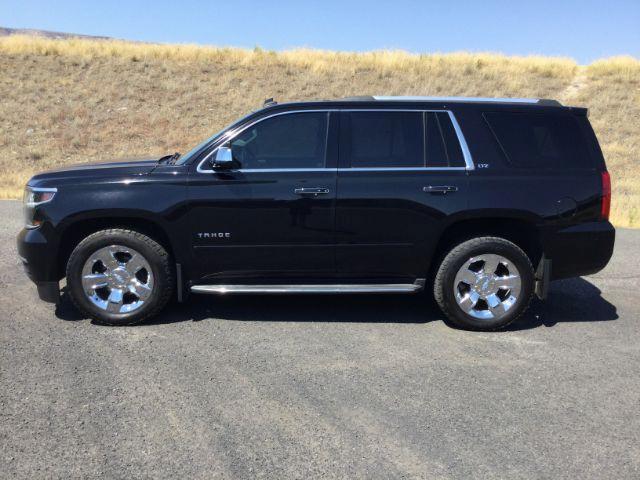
[
  {"x": 401, "y": 175},
  {"x": 272, "y": 216}
]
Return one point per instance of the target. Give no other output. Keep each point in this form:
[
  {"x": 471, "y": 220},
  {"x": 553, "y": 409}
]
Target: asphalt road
[{"x": 332, "y": 387}]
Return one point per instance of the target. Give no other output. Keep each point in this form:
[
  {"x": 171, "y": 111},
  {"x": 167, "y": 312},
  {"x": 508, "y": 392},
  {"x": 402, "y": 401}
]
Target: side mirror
[{"x": 223, "y": 158}]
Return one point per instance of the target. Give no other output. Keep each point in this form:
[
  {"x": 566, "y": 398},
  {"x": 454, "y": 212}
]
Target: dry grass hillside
[{"x": 76, "y": 100}]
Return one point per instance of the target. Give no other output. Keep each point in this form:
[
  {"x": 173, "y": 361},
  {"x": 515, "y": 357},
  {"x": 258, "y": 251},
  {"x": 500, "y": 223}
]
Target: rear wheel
[
  {"x": 119, "y": 277},
  {"x": 484, "y": 283}
]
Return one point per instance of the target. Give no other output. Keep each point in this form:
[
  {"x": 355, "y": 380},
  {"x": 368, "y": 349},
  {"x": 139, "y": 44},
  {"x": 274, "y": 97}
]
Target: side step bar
[{"x": 309, "y": 289}]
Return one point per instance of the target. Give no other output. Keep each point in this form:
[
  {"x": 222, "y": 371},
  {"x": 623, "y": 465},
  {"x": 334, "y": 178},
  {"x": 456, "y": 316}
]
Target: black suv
[{"x": 482, "y": 201}]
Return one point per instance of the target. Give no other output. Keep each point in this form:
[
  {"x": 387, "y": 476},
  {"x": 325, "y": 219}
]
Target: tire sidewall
[
  {"x": 86, "y": 248},
  {"x": 491, "y": 246}
]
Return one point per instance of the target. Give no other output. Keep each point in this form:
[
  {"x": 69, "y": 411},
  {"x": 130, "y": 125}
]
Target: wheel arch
[
  {"x": 521, "y": 231},
  {"x": 75, "y": 231}
]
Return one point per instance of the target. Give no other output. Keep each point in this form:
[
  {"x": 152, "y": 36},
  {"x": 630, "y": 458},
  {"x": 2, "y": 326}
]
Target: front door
[{"x": 272, "y": 215}]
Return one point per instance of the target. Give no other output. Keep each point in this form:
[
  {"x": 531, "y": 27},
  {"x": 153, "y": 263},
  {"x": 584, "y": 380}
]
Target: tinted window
[
  {"x": 539, "y": 140},
  {"x": 296, "y": 140},
  {"x": 383, "y": 139},
  {"x": 442, "y": 145}
]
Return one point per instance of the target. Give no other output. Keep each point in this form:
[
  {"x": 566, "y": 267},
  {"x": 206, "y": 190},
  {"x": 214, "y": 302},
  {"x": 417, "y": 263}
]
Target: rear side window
[
  {"x": 383, "y": 139},
  {"x": 540, "y": 140},
  {"x": 442, "y": 147}
]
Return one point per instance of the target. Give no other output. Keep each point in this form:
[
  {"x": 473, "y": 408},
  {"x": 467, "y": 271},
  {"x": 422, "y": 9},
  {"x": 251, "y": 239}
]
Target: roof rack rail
[
  {"x": 360, "y": 98},
  {"x": 411, "y": 98}
]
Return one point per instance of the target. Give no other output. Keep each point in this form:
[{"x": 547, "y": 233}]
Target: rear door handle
[
  {"x": 311, "y": 191},
  {"x": 440, "y": 189}
]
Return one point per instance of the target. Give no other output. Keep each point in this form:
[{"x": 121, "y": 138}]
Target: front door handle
[
  {"x": 311, "y": 191},
  {"x": 443, "y": 189}
]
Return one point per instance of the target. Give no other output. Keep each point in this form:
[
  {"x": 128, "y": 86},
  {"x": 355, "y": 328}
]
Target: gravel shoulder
[{"x": 331, "y": 387}]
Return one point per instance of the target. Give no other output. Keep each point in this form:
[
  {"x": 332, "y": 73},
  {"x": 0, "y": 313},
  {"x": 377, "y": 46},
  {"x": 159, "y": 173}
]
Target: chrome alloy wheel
[
  {"x": 487, "y": 286},
  {"x": 117, "y": 279}
]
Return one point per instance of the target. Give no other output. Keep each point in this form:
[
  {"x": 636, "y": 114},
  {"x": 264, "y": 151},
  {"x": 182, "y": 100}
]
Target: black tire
[
  {"x": 157, "y": 258},
  {"x": 443, "y": 287}
]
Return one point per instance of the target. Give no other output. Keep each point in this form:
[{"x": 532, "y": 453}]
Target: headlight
[{"x": 34, "y": 196}]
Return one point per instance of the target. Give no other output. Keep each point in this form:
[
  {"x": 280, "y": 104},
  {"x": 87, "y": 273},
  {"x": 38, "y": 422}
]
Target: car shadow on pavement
[
  {"x": 574, "y": 300},
  {"x": 287, "y": 308},
  {"x": 571, "y": 300}
]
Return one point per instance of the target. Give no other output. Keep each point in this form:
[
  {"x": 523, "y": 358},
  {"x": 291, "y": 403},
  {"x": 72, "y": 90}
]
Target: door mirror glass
[{"x": 223, "y": 158}]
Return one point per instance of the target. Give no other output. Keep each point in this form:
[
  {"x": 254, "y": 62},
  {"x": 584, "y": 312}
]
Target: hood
[{"x": 120, "y": 168}]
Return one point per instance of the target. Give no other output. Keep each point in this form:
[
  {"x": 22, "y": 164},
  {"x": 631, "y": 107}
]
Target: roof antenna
[{"x": 268, "y": 102}]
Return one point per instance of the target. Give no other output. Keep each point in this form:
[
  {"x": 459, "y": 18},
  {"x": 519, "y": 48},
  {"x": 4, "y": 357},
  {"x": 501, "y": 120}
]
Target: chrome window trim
[
  {"x": 463, "y": 142},
  {"x": 343, "y": 169},
  {"x": 402, "y": 169},
  {"x": 279, "y": 170},
  {"x": 230, "y": 135}
]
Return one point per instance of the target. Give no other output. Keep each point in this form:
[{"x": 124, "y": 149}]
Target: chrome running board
[{"x": 309, "y": 289}]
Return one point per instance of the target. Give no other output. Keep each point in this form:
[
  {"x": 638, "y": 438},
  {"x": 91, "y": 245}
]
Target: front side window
[
  {"x": 382, "y": 139},
  {"x": 294, "y": 140}
]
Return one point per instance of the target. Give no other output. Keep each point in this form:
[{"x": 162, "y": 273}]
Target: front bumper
[{"x": 39, "y": 261}]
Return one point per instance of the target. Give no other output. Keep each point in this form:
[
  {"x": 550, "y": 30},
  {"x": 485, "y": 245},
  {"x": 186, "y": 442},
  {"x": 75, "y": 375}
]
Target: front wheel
[
  {"x": 484, "y": 283},
  {"x": 119, "y": 277}
]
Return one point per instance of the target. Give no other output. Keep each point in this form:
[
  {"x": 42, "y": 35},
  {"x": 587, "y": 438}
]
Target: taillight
[{"x": 605, "y": 206}]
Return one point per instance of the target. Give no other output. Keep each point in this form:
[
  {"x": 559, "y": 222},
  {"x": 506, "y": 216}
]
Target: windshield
[{"x": 198, "y": 148}]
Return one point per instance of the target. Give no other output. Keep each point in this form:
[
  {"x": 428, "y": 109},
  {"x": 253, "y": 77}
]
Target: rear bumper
[
  {"x": 39, "y": 262},
  {"x": 580, "y": 249}
]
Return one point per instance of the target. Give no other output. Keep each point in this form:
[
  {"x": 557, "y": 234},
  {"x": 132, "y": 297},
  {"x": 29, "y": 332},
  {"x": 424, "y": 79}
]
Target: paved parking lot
[{"x": 331, "y": 387}]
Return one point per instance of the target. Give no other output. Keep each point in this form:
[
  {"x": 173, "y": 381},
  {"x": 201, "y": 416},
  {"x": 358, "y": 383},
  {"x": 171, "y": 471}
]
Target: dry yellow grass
[
  {"x": 76, "y": 100},
  {"x": 612, "y": 92}
]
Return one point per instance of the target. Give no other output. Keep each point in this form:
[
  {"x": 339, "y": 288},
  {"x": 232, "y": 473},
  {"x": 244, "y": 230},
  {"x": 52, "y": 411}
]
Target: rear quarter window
[{"x": 540, "y": 140}]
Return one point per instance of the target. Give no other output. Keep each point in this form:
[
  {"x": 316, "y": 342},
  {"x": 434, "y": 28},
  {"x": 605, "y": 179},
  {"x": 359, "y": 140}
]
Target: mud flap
[
  {"x": 179, "y": 285},
  {"x": 543, "y": 278},
  {"x": 49, "y": 291}
]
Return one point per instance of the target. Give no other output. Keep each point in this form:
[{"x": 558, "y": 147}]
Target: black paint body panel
[{"x": 371, "y": 224}]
